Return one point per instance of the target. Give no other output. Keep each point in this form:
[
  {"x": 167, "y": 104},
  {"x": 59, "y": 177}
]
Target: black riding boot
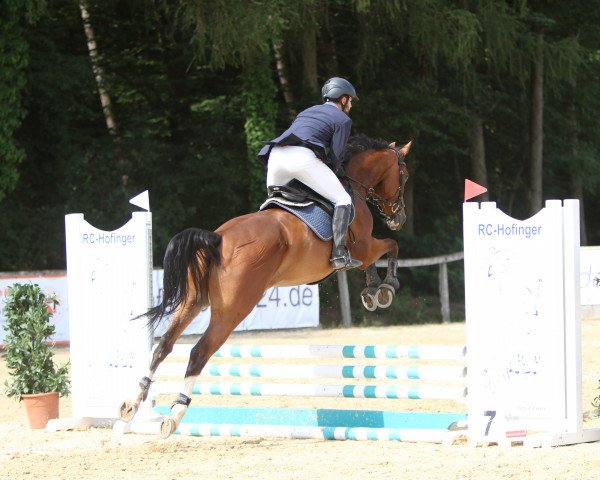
[{"x": 340, "y": 256}]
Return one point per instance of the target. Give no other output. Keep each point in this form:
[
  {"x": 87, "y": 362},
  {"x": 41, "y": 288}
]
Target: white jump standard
[{"x": 523, "y": 326}]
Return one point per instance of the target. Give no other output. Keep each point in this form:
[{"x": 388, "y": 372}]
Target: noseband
[{"x": 378, "y": 201}]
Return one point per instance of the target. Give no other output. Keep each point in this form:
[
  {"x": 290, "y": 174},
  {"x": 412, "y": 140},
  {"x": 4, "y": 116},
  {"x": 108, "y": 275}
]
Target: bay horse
[{"x": 231, "y": 268}]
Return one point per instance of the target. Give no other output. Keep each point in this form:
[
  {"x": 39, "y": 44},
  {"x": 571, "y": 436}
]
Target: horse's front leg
[
  {"x": 391, "y": 276},
  {"x": 378, "y": 293},
  {"x": 369, "y": 294},
  {"x": 387, "y": 289}
]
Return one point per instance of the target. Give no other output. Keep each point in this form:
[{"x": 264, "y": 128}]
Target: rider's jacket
[{"x": 323, "y": 128}]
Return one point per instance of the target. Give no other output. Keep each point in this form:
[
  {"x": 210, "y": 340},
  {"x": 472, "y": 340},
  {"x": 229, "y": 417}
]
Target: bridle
[{"x": 397, "y": 205}]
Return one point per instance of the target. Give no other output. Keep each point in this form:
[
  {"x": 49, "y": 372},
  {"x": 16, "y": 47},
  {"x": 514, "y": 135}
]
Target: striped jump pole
[
  {"x": 414, "y": 372},
  {"x": 420, "y": 392},
  {"x": 443, "y": 436},
  {"x": 181, "y": 354},
  {"x": 422, "y": 352},
  {"x": 322, "y": 433},
  {"x": 339, "y": 424}
]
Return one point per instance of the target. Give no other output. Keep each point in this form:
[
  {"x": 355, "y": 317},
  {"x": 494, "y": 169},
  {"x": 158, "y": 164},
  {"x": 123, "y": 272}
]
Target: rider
[{"x": 310, "y": 150}]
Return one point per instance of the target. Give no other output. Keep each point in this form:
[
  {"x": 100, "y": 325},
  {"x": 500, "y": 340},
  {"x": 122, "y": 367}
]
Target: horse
[{"x": 231, "y": 268}]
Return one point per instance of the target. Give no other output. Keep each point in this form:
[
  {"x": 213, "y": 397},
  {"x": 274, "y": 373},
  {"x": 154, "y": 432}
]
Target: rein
[{"x": 379, "y": 201}]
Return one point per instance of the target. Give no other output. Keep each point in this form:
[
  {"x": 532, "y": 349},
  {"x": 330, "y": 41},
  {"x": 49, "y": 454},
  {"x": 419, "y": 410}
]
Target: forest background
[{"x": 101, "y": 100}]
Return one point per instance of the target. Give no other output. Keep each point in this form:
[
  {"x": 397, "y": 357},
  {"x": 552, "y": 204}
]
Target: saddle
[
  {"x": 297, "y": 193},
  {"x": 306, "y": 204}
]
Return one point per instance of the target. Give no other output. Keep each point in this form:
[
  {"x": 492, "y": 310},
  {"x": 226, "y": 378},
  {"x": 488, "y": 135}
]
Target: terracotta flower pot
[{"x": 41, "y": 407}]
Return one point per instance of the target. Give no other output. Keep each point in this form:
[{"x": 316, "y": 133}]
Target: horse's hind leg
[
  {"x": 215, "y": 336},
  {"x": 179, "y": 322}
]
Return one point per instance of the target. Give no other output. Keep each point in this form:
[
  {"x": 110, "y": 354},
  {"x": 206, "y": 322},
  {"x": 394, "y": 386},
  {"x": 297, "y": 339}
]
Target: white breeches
[{"x": 287, "y": 163}]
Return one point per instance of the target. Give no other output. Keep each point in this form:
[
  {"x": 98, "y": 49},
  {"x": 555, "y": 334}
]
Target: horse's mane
[{"x": 360, "y": 143}]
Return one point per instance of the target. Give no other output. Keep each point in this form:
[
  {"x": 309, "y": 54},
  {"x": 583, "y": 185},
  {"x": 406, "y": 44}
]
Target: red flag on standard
[{"x": 473, "y": 189}]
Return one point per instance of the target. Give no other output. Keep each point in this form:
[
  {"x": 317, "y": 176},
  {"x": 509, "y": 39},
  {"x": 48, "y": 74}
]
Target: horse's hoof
[
  {"x": 167, "y": 427},
  {"x": 385, "y": 295},
  {"x": 128, "y": 410},
  {"x": 369, "y": 300}
]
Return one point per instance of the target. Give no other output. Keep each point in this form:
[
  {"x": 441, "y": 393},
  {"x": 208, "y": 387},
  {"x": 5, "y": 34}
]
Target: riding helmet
[{"x": 336, "y": 87}]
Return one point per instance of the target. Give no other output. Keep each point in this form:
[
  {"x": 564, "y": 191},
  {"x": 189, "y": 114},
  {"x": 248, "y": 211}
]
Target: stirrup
[{"x": 345, "y": 262}]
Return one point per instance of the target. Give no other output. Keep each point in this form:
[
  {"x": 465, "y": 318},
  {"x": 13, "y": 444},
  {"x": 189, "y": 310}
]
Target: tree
[
  {"x": 241, "y": 34},
  {"x": 573, "y": 99},
  {"x": 498, "y": 56},
  {"x": 259, "y": 126},
  {"x": 554, "y": 61},
  {"x": 111, "y": 124},
  {"x": 537, "y": 124},
  {"x": 438, "y": 40},
  {"x": 310, "y": 75},
  {"x": 15, "y": 15},
  {"x": 194, "y": 86}
]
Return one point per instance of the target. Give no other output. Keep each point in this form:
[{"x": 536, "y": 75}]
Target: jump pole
[{"x": 321, "y": 423}]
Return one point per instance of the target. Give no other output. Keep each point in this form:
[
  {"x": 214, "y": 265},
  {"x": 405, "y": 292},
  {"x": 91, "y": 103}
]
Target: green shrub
[{"x": 28, "y": 354}]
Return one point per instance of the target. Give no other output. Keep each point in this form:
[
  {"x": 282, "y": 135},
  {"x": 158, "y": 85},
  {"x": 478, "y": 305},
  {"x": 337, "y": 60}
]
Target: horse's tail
[{"x": 191, "y": 252}]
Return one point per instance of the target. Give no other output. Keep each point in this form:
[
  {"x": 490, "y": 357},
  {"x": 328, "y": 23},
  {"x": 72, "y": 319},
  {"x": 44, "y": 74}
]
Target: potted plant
[{"x": 35, "y": 378}]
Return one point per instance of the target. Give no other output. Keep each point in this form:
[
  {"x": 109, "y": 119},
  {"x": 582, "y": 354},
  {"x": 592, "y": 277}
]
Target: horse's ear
[{"x": 405, "y": 149}]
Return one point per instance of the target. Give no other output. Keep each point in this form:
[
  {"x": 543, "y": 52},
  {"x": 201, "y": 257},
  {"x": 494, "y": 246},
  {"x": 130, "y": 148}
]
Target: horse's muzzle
[{"x": 396, "y": 222}]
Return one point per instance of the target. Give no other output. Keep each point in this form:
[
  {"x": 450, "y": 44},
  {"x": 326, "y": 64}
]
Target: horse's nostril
[{"x": 397, "y": 222}]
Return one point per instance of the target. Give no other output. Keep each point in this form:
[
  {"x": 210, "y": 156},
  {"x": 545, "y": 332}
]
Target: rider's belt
[{"x": 318, "y": 151}]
